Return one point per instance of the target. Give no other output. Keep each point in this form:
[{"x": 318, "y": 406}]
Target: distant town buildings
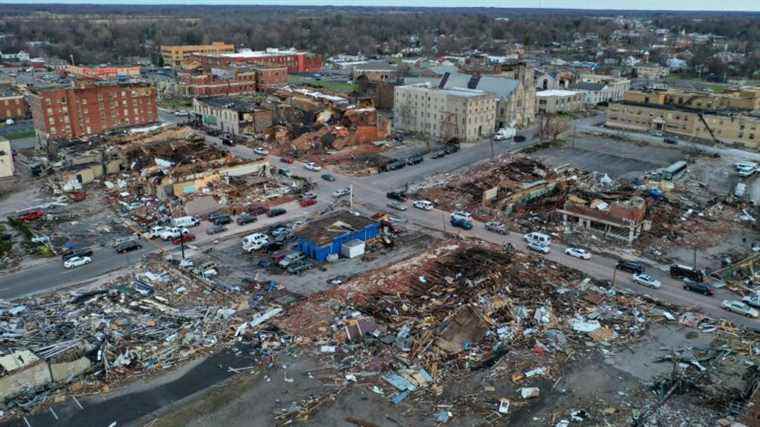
[
  {"x": 91, "y": 108},
  {"x": 651, "y": 71},
  {"x": 444, "y": 114},
  {"x": 177, "y": 56},
  {"x": 233, "y": 80},
  {"x": 295, "y": 61},
  {"x": 103, "y": 73},
  {"x": 12, "y": 104}
]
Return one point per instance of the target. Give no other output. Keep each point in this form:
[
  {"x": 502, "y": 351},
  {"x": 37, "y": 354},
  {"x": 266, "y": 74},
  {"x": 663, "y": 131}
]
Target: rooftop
[
  {"x": 230, "y": 103},
  {"x": 324, "y": 230},
  {"x": 248, "y": 53},
  {"x": 502, "y": 87},
  {"x": 555, "y": 92}
]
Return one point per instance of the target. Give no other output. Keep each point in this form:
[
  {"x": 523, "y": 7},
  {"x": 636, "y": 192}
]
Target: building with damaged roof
[
  {"x": 613, "y": 217},
  {"x": 238, "y": 116},
  {"x": 326, "y": 236}
]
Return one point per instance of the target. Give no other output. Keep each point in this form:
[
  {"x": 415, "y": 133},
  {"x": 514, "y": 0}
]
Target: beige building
[
  {"x": 444, "y": 114},
  {"x": 746, "y": 99},
  {"x": 652, "y": 71},
  {"x": 614, "y": 88},
  {"x": 176, "y": 56},
  {"x": 559, "y": 101},
  {"x": 6, "y": 159},
  {"x": 377, "y": 71}
]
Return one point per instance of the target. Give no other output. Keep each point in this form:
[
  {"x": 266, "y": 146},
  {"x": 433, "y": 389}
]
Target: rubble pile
[
  {"x": 458, "y": 310},
  {"x": 152, "y": 320}
]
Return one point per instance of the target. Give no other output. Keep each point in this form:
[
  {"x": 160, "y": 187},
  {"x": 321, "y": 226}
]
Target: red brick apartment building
[
  {"x": 296, "y": 61},
  {"x": 234, "y": 80},
  {"x": 12, "y": 104},
  {"x": 92, "y": 108}
]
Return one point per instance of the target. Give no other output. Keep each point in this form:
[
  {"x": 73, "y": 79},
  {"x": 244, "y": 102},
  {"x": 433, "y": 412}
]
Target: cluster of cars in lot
[
  {"x": 78, "y": 257},
  {"x": 273, "y": 242}
]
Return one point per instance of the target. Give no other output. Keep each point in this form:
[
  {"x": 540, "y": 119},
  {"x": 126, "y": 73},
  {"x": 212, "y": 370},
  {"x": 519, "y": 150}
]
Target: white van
[
  {"x": 186, "y": 221},
  {"x": 538, "y": 238},
  {"x": 254, "y": 242},
  {"x": 172, "y": 233}
]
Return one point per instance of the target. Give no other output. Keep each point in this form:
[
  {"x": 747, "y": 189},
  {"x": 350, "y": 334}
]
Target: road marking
[
  {"x": 54, "y": 414},
  {"x": 77, "y": 402}
]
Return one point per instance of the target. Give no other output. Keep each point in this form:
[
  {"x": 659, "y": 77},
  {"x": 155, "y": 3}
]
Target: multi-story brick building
[
  {"x": 443, "y": 114},
  {"x": 296, "y": 61},
  {"x": 91, "y": 108},
  {"x": 12, "y": 104},
  {"x": 233, "y": 80},
  {"x": 177, "y": 56},
  {"x": 104, "y": 73}
]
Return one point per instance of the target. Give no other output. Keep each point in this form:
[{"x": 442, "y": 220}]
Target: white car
[
  {"x": 77, "y": 261},
  {"x": 312, "y": 166},
  {"x": 425, "y": 205},
  {"x": 261, "y": 151},
  {"x": 739, "y": 307},
  {"x": 396, "y": 205},
  {"x": 646, "y": 280},
  {"x": 578, "y": 253},
  {"x": 463, "y": 215},
  {"x": 538, "y": 247}
]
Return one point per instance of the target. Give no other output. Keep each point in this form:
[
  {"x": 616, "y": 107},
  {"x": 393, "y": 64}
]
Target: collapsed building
[{"x": 621, "y": 217}]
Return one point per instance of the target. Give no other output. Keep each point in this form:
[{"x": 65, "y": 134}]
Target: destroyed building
[
  {"x": 235, "y": 115},
  {"x": 622, "y": 218}
]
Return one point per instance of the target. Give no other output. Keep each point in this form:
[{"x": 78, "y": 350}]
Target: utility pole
[
  {"x": 351, "y": 196},
  {"x": 443, "y": 221},
  {"x": 182, "y": 246},
  {"x": 695, "y": 258},
  {"x": 492, "y": 150},
  {"x": 614, "y": 275}
]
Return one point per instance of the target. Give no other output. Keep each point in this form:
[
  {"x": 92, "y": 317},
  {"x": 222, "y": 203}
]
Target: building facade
[
  {"x": 176, "y": 56},
  {"x": 88, "y": 108},
  {"x": 12, "y": 104},
  {"x": 621, "y": 220},
  {"x": 104, "y": 73},
  {"x": 466, "y": 115},
  {"x": 237, "y": 116},
  {"x": 295, "y": 61},
  {"x": 559, "y": 101},
  {"x": 376, "y": 72},
  {"x": 652, "y": 72}
]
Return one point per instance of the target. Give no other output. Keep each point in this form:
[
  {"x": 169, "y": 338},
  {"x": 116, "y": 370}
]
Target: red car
[
  {"x": 189, "y": 237},
  {"x": 307, "y": 202},
  {"x": 287, "y": 160},
  {"x": 32, "y": 215},
  {"x": 257, "y": 210}
]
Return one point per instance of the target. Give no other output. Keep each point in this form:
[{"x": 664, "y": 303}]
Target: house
[
  {"x": 327, "y": 235},
  {"x": 621, "y": 219}
]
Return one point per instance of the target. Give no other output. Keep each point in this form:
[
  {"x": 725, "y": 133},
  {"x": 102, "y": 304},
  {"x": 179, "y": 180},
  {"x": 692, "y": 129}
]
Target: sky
[{"x": 711, "y": 5}]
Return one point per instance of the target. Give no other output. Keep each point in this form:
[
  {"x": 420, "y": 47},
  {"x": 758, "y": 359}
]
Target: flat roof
[
  {"x": 235, "y": 104},
  {"x": 555, "y": 92},
  {"x": 248, "y": 53},
  {"x": 324, "y": 230}
]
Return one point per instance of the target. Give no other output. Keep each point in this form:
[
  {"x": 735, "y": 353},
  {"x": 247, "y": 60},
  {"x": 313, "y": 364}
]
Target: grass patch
[
  {"x": 27, "y": 133},
  {"x": 208, "y": 402}
]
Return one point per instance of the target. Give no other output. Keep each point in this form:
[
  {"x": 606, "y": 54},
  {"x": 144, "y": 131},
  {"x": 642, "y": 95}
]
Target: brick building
[
  {"x": 295, "y": 61},
  {"x": 91, "y": 108},
  {"x": 12, "y": 104},
  {"x": 238, "y": 115},
  {"x": 103, "y": 73},
  {"x": 177, "y": 56},
  {"x": 233, "y": 80}
]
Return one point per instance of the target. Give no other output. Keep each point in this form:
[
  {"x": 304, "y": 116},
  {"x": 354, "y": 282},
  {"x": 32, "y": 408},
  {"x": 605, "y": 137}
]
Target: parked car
[
  {"x": 276, "y": 212},
  {"x": 461, "y": 223},
  {"x": 753, "y": 300},
  {"x": 257, "y": 210},
  {"x": 518, "y": 138},
  {"x": 670, "y": 141},
  {"x": 261, "y": 151},
  {"x": 739, "y": 307},
  {"x": 228, "y": 142},
  {"x": 414, "y": 160},
  {"x": 288, "y": 160},
  {"x": 646, "y": 280},
  {"x": 397, "y": 205},
  {"x": 307, "y": 202},
  {"x": 700, "y": 288},
  {"x": 245, "y": 218},
  {"x": 300, "y": 267},
  {"x": 291, "y": 258},
  {"x": 578, "y": 253},
  {"x": 685, "y": 272},
  {"x": 451, "y": 148},
  {"x": 462, "y": 215},
  {"x": 630, "y": 266},
  {"x": 310, "y": 195},
  {"x": 425, "y": 205},
  {"x": 215, "y": 229},
  {"x": 31, "y": 215},
  {"x": 496, "y": 227},
  {"x": 538, "y": 247},
  {"x": 184, "y": 239},
  {"x": 128, "y": 246},
  {"x": 76, "y": 253},
  {"x": 396, "y": 195},
  {"x": 312, "y": 166},
  {"x": 337, "y": 280},
  {"x": 285, "y": 172},
  {"x": 328, "y": 177},
  {"x": 438, "y": 154},
  {"x": 222, "y": 220},
  {"x": 76, "y": 261}
]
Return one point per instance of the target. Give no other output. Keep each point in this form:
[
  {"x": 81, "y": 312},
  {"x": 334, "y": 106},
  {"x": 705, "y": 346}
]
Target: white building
[
  {"x": 6, "y": 159},
  {"x": 443, "y": 114}
]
